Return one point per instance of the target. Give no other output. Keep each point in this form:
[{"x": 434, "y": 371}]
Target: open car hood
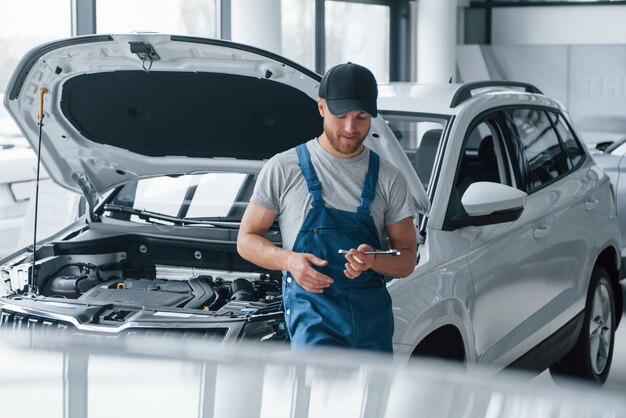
[
  {"x": 126, "y": 106},
  {"x": 122, "y": 107}
]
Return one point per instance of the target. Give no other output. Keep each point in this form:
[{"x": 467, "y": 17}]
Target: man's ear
[{"x": 321, "y": 106}]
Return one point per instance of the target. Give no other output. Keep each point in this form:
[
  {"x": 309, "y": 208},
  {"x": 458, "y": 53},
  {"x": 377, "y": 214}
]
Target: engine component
[
  {"x": 137, "y": 292},
  {"x": 242, "y": 290},
  {"x": 64, "y": 286},
  {"x": 204, "y": 294}
]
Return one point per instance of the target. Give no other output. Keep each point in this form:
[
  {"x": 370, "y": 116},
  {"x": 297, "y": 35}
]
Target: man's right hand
[
  {"x": 254, "y": 247},
  {"x": 300, "y": 266}
]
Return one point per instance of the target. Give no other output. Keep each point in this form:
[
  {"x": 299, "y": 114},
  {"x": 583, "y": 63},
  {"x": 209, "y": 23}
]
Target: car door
[
  {"x": 505, "y": 262},
  {"x": 556, "y": 214},
  {"x": 580, "y": 207}
]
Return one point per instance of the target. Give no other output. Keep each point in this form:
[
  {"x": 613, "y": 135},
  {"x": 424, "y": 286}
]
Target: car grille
[
  {"x": 45, "y": 326},
  {"x": 205, "y": 334}
]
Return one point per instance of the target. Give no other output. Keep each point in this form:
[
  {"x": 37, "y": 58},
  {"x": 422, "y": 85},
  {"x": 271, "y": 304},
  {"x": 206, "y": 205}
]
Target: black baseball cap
[{"x": 349, "y": 88}]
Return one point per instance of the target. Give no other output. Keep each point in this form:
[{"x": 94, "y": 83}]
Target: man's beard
[{"x": 333, "y": 138}]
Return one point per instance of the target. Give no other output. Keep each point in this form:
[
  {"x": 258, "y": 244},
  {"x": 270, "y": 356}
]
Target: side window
[
  {"x": 482, "y": 158},
  {"x": 572, "y": 146},
  {"x": 546, "y": 158}
]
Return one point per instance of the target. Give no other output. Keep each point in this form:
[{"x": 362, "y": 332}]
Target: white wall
[
  {"x": 589, "y": 79},
  {"x": 559, "y": 25}
]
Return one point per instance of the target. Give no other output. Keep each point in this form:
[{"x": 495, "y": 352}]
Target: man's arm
[
  {"x": 254, "y": 247},
  {"x": 402, "y": 237}
]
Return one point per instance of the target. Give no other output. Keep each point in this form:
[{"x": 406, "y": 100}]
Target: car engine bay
[{"x": 88, "y": 272}]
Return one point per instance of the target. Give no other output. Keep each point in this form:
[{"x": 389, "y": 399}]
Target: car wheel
[{"x": 591, "y": 356}]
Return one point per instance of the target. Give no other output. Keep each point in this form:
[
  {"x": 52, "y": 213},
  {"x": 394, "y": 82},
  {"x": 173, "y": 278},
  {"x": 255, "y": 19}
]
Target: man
[{"x": 333, "y": 193}]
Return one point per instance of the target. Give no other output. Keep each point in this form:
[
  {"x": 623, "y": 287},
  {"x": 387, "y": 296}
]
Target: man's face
[{"x": 347, "y": 132}]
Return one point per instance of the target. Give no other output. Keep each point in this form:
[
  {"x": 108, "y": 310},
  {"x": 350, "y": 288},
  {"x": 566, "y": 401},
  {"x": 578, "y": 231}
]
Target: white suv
[
  {"x": 521, "y": 259},
  {"x": 165, "y": 136}
]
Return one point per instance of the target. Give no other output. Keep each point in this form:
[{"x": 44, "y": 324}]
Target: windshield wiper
[
  {"x": 236, "y": 219},
  {"x": 149, "y": 216}
]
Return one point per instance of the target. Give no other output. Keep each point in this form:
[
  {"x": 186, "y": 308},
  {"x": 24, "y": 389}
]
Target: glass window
[
  {"x": 298, "y": 31},
  {"x": 181, "y": 17},
  {"x": 573, "y": 148},
  {"x": 25, "y": 24},
  {"x": 419, "y": 137},
  {"x": 546, "y": 157},
  {"x": 358, "y": 33},
  {"x": 190, "y": 196},
  {"x": 482, "y": 158}
]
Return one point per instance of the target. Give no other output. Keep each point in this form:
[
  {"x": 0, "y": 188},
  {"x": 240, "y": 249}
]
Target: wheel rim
[{"x": 600, "y": 328}]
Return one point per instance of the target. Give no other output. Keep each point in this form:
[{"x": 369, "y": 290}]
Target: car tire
[{"x": 591, "y": 357}]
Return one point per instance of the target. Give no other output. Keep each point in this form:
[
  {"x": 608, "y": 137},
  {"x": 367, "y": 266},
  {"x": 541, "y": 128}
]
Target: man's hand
[
  {"x": 254, "y": 247},
  {"x": 358, "y": 262},
  {"x": 402, "y": 237},
  {"x": 299, "y": 265}
]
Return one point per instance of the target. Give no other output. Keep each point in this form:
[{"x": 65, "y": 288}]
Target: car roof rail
[{"x": 465, "y": 91}]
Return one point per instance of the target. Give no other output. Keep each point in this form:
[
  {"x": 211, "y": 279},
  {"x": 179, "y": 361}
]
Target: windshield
[
  {"x": 192, "y": 196},
  {"x": 419, "y": 136}
]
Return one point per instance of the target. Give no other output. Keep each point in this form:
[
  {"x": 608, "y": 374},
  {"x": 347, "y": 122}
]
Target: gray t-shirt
[{"x": 281, "y": 188}]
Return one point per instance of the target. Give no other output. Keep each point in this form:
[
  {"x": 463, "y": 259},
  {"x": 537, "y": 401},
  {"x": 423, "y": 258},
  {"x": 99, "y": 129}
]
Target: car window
[
  {"x": 483, "y": 157},
  {"x": 572, "y": 146},
  {"x": 545, "y": 156},
  {"x": 188, "y": 196},
  {"x": 420, "y": 136}
]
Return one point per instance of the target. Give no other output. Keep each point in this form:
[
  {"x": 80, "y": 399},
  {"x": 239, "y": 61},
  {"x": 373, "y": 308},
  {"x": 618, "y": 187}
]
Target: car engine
[{"x": 175, "y": 287}]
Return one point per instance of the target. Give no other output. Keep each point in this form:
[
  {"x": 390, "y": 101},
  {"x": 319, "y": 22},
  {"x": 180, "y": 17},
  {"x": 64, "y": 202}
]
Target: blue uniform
[{"x": 351, "y": 312}]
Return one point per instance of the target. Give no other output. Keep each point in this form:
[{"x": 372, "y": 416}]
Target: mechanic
[{"x": 333, "y": 193}]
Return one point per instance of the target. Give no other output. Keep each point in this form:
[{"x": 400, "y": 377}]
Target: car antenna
[{"x": 31, "y": 286}]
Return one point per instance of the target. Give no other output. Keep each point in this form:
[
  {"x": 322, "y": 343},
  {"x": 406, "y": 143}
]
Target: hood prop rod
[{"x": 32, "y": 287}]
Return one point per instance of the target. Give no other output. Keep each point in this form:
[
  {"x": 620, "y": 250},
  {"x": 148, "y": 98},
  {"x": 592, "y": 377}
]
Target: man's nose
[{"x": 350, "y": 125}]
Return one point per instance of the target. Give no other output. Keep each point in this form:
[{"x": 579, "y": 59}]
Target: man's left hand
[{"x": 358, "y": 262}]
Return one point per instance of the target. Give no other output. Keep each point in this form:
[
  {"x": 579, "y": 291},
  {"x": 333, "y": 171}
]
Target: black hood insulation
[{"x": 190, "y": 114}]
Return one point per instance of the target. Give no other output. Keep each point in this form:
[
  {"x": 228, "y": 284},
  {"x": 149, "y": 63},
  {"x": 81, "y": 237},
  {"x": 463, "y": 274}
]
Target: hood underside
[
  {"x": 189, "y": 114},
  {"x": 115, "y": 112}
]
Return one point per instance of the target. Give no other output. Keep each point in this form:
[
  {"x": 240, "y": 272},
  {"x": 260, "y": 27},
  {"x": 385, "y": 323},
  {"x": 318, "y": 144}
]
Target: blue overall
[{"x": 352, "y": 313}]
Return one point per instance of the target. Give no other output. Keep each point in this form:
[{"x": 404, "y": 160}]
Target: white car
[
  {"x": 611, "y": 160},
  {"x": 165, "y": 135},
  {"x": 521, "y": 262},
  {"x": 18, "y": 170}
]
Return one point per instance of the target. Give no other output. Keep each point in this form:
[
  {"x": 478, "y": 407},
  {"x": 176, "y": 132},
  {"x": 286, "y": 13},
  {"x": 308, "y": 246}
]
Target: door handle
[
  {"x": 591, "y": 204},
  {"x": 541, "y": 232}
]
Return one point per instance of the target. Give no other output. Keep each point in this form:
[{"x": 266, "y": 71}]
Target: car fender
[{"x": 449, "y": 311}]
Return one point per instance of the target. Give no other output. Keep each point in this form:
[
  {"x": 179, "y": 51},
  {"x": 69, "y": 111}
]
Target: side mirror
[
  {"x": 488, "y": 203},
  {"x": 484, "y": 198},
  {"x": 601, "y": 146}
]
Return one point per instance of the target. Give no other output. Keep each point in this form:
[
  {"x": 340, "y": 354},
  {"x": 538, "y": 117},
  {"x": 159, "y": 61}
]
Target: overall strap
[
  {"x": 312, "y": 182},
  {"x": 369, "y": 187}
]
